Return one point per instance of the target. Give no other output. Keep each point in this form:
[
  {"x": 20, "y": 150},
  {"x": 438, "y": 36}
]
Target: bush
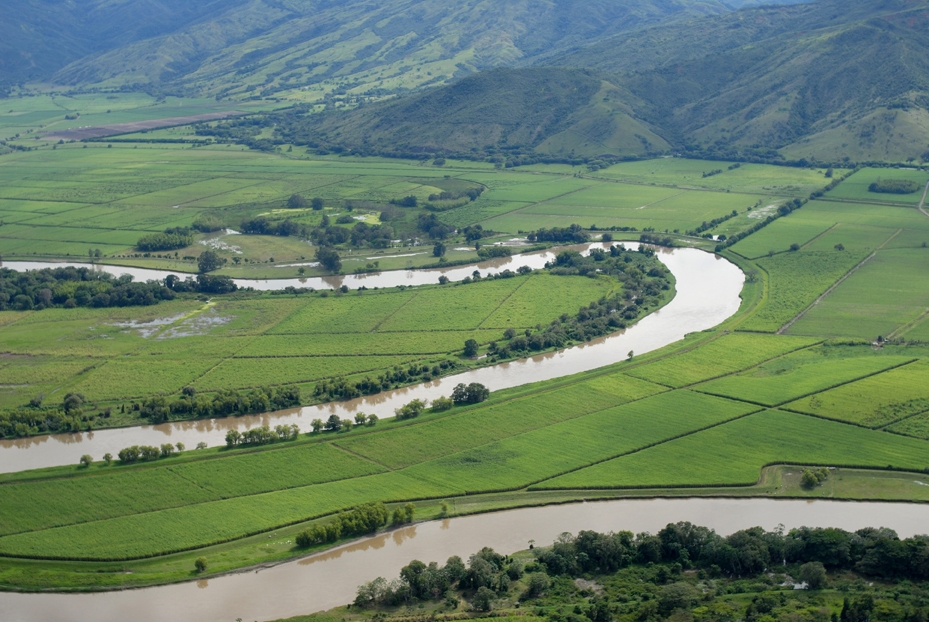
[
  {"x": 296, "y": 201},
  {"x": 441, "y": 404},
  {"x": 200, "y": 564},
  {"x": 894, "y": 186},
  {"x": 171, "y": 239},
  {"x": 411, "y": 410}
]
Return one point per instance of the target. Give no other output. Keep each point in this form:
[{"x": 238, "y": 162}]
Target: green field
[
  {"x": 710, "y": 411},
  {"x": 856, "y": 186},
  {"x": 106, "y": 354},
  {"x": 875, "y": 401},
  {"x": 711, "y": 457}
]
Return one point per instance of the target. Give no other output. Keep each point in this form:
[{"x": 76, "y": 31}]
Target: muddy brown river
[
  {"x": 708, "y": 289},
  {"x": 330, "y": 579}
]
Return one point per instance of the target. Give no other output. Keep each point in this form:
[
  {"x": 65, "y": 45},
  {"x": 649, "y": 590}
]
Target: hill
[
  {"x": 826, "y": 80},
  {"x": 831, "y": 80},
  {"x": 39, "y": 37},
  {"x": 283, "y": 47},
  {"x": 550, "y": 110}
]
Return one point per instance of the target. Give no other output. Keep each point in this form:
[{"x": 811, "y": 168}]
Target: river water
[
  {"x": 330, "y": 579},
  {"x": 708, "y": 289}
]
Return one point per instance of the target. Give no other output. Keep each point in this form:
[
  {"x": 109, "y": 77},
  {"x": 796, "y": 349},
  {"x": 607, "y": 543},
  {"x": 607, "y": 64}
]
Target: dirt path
[
  {"x": 787, "y": 326},
  {"x": 922, "y": 203},
  {"x": 137, "y": 126}
]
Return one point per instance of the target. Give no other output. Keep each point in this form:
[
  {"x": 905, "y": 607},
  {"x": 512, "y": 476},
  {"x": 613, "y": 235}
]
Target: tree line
[
  {"x": 643, "y": 277},
  {"x": 223, "y": 403},
  {"x": 340, "y": 388},
  {"x": 645, "y": 577},
  {"x": 358, "y": 521},
  {"x": 71, "y": 287}
]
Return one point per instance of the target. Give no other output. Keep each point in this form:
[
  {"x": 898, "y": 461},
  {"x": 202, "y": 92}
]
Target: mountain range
[{"x": 828, "y": 79}]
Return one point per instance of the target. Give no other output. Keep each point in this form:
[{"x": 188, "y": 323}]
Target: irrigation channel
[
  {"x": 708, "y": 289},
  {"x": 330, "y": 579}
]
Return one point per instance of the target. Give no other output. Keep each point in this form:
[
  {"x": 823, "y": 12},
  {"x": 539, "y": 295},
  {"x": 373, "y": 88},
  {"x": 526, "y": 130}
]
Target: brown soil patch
[{"x": 137, "y": 126}]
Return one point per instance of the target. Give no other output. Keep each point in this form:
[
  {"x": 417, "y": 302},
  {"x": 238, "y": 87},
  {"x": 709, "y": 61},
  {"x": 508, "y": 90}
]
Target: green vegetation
[
  {"x": 684, "y": 570},
  {"x": 244, "y": 350}
]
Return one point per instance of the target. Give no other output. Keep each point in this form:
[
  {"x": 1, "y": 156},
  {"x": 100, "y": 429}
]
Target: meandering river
[
  {"x": 330, "y": 579},
  {"x": 708, "y": 289}
]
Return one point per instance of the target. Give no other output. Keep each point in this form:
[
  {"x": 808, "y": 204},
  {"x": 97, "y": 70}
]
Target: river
[
  {"x": 708, "y": 289},
  {"x": 330, "y": 579}
]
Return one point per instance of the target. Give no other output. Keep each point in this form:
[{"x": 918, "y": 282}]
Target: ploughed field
[{"x": 825, "y": 364}]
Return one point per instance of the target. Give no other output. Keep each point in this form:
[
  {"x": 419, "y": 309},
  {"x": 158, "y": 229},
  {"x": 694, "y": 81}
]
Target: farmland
[
  {"x": 107, "y": 354},
  {"x": 708, "y": 413}
]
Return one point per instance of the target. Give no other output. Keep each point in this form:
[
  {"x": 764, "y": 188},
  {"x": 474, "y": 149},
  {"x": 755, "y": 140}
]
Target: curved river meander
[
  {"x": 331, "y": 578},
  {"x": 708, "y": 291}
]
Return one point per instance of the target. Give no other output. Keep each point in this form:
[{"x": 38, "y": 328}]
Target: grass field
[
  {"x": 887, "y": 293},
  {"x": 795, "y": 281},
  {"x": 107, "y": 354},
  {"x": 856, "y": 186},
  {"x": 875, "y": 401},
  {"x": 711, "y": 457},
  {"x": 700, "y": 415}
]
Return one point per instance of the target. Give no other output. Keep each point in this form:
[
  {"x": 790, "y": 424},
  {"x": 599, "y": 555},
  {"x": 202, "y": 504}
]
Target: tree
[
  {"x": 329, "y": 258},
  {"x": 441, "y": 404},
  {"x": 209, "y": 261},
  {"x": 360, "y": 418},
  {"x": 296, "y": 201},
  {"x": 372, "y": 420},
  {"x": 233, "y": 438},
  {"x": 483, "y": 599},
  {"x": 411, "y": 410},
  {"x": 108, "y": 458},
  {"x": 86, "y": 460},
  {"x": 200, "y": 564},
  {"x": 443, "y": 280},
  {"x": 317, "y": 203},
  {"x": 794, "y": 247},
  {"x": 813, "y": 574},
  {"x": 317, "y": 425},
  {"x": 438, "y": 250},
  {"x": 471, "y": 394},
  {"x": 470, "y": 347},
  {"x": 334, "y": 424}
]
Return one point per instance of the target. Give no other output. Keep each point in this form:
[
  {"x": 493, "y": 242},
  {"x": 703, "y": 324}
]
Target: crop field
[
  {"x": 916, "y": 426},
  {"x": 428, "y": 441},
  {"x": 112, "y": 355},
  {"x": 856, "y": 186},
  {"x": 714, "y": 457},
  {"x": 795, "y": 281},
  {"x": 721, "y": 356},
  {"x": 624, "y": 205},
  {"x": 875, "y": 401},
  {"x": 751, "y": 178},
  {"x": 882, "y": 296},
  {"x": 712, "y": 410},
  {"x": 522, "y": 459},
  {"x": 802, "y": 373}
]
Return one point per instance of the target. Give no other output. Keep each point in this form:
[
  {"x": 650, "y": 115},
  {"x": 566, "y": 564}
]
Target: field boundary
[
  {"x": 800, "y": 397},
  {"x": 500, "y": 304},
  {"x": 922, "y": 203},
  {"x": 818, "y": 235},
  {"x": 832, "y": 288},
  {"x": 396, "y": 311}
]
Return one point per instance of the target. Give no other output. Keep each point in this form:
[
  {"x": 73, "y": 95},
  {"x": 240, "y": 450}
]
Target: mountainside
[
  {"x": 555, "y": 111},
  {"x": 267, "y": 47},
  {"x": 833, "y": 78},
  {"x": 39, "y": 37},
  {"x": 830, "y": 80}
]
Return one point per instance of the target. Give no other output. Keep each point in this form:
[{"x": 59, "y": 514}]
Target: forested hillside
[
  {"x": 262, "y": 47},
  {"x": 833, "y": 80}
]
